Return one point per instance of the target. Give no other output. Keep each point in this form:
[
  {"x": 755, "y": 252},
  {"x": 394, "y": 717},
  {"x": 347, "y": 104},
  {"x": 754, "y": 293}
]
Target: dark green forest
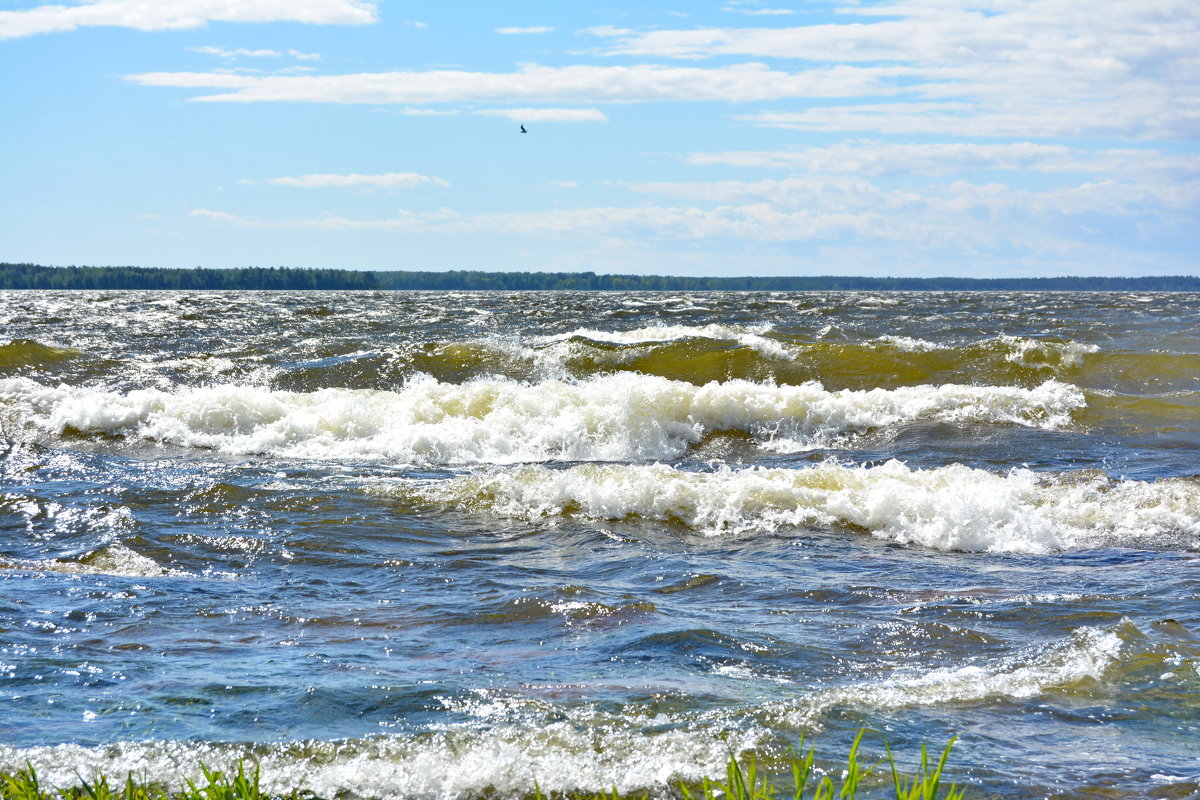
[{"x": 33, "y": 276}]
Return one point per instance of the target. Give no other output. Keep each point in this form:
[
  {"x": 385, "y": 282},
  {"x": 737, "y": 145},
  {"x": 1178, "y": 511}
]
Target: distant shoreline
[{"x": 34, "y": 276}]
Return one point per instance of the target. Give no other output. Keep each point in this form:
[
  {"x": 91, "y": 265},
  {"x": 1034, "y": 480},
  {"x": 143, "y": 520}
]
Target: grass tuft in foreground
[
  {"x": 743, "y": 781},
  {"x": 24, "y": 785}
]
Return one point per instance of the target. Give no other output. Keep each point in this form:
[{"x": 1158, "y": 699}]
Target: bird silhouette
[{"x": 523, "y": 129}]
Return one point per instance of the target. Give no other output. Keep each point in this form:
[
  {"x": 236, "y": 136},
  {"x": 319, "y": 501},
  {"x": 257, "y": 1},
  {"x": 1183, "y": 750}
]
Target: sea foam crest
[
  {"x": 909, "y": 344},
  {"x": 114, "y": 559},
  {"x": 1087, "y": 653},
  {"x": 947, "y": 508},
  {"x": 619, "y": 417},
  {"x": 752, "y": 338},
  {"x": 1042, "y": 354},
  {"x": 583, "y": 751},
  {"x": 1039, "y": 354}
]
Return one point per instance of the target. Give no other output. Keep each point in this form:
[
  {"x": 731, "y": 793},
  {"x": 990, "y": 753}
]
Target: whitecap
[
  {"x": 1089, "y": 653},
  {"x": 946, "y": 508},
  {"x": 752, "y": 338},
  {"x": 618, "y": 417}
]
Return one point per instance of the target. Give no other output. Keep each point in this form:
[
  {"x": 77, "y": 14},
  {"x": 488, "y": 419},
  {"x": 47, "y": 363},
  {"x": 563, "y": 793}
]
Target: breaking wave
[
  {"x": 947, "y": 508},
  {"x": 25, "y": 353},
  {"x": 752, "y": 338},
  {"x": 585, "y": 751},
  {"x": 1088, "y": 654},
  {"x": 114, "y": 559},
  {"x": 703, "y": 353},
  {"x": 620, "y": 417}
]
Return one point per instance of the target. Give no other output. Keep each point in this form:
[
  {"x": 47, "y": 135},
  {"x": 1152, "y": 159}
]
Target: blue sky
[{"x": 747, "y": 137}]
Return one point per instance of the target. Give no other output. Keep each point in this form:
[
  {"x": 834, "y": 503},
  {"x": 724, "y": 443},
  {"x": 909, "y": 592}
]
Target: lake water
[{"x": 424, "y": 544}]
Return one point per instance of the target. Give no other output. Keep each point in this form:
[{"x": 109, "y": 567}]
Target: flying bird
[{"x": 523, "y": 129}]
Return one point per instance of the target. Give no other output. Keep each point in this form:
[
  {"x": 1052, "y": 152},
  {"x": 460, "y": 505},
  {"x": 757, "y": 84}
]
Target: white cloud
[
  {"x": 223, "y": 80},
  {"x": 428, "y": 112},
  {"x": 547, "y": 114},
  {"x": 535, "y": 83},
  {"x": 956, "y": 219},
  {"x": 988, "y": 68},
  {"x": 953, "y": 33},
  {"x": 759, "y": 222},
  {"x": 985, "y": 67},
  {"x": 858, "y": 195},
  {"x": 225, "y": 52},
  {"x": 241, "y": 52},
  {"x": 390, "y": 180},
  {"x": 512, "y": 31},
  {"x": 754, "y": 223},
  {"x": 605, "y": 30},
  {"x": 760, "y": 11},
  {"x": 828, "y": 193},
  {"x": 157, "y": 15},
  {"x": 753, "y": 7},
  {"x": 886, "y": 158},
  {"x": 221, "y": 216},
  {"x": 404, "y": 221},
  {"x": 1152, "y": 115}
]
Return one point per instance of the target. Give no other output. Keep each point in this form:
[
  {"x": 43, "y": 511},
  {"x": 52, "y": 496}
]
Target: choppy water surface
[{"x": 422, "y": 544}]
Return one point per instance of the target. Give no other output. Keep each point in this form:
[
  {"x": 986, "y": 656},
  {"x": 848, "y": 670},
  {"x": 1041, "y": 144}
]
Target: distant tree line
[{"x": 33, "y": 276}]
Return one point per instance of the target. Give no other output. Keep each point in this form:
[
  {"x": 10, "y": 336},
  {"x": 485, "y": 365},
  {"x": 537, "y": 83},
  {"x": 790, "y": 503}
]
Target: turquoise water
[{"x": 420, "y": 545}]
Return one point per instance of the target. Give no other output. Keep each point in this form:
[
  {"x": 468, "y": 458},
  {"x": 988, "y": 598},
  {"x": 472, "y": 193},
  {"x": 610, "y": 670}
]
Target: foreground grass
[{"x": 742, "y": 781}]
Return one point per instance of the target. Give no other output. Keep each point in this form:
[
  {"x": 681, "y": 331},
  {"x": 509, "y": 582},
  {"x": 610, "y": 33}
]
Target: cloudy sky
[{"x": 745, "y": 137}]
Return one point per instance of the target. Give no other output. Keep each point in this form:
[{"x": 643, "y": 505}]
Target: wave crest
[
  {"x": 947, "y": 508},
  {"x": 619, "y": 417}
]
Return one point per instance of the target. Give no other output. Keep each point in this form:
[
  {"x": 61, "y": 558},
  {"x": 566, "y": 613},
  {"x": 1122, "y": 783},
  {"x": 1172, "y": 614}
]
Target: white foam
[
  {"x": 117, "y": 559},
  {"x": 908, "y": 344},
  {"x": 590, "y": 750},
  {"x": 752, "y": 338},
  {"x": 1038, "y": 354},
  {"x": 947, "y": 508},
  {"x": 876, "y": 301},
  {"x": 113, "y": 559},
  {"x": 618, "y": 417},
  {"x": 1041, "y": 354},
  {"x": 1088, "y": 653}
]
